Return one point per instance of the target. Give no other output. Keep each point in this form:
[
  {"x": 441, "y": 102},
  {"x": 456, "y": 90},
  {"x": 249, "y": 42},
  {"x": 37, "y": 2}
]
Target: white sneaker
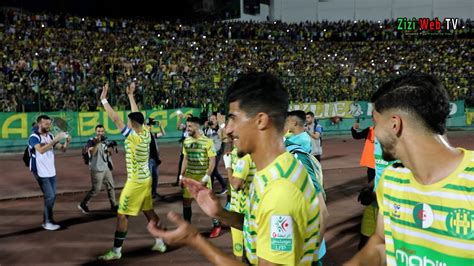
[
  {"x": 160, "y": 247},
  {"x": 51, "y": 226}
]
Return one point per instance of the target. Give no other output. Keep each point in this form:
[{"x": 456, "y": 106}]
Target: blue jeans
[
  {"x": 48, "y": 187},
  {"x": 155, "y": 171},
  {"x": 215, "y": 173}
]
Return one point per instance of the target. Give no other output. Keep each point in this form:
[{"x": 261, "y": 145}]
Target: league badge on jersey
[
  {"x": 239, "y": 167},
  {"x": 281, "y": 233}
]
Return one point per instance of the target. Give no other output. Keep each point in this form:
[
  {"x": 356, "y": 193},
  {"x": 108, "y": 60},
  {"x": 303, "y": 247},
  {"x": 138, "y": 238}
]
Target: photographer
[
  {"x": 100, "y": 164},
  {"x": 154, "y": 160},
  {"x": 215, "y": 132}
]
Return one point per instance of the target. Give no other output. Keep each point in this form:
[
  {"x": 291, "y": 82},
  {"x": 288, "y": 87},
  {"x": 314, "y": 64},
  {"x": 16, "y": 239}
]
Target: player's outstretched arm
[
  {"x": 131, "y": 98},
  {"x": 373, "y": 252},
  {"x": 110, "y": 111},
  {"x": 186, "y": 234},
  {"x": 211, "y": 205}
]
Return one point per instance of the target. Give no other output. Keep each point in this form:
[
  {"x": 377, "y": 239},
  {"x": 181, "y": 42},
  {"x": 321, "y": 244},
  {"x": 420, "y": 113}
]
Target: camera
[{"x": 112, "y": 144}]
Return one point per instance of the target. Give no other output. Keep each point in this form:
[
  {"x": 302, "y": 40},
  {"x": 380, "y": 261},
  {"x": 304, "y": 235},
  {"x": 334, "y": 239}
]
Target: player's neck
[
  {"x": 298, "y": 130},
  {"x": 138, "y": 129},
  {"x": 269, "y": 147},
  {"x": 432, "y": 158}
]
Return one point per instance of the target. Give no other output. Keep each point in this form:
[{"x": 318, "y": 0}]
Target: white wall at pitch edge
[{"x": 334, "y": 10}]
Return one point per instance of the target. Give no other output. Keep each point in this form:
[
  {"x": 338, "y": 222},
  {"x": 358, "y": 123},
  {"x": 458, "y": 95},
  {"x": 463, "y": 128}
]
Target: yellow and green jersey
[
  {"x": 198, "y": 151},
  {"x": 428, "y": 224},
  {"x": 242, "y": 168},
  {"x": 137, "y": 151},
  {"x": 282, "y": 220}
]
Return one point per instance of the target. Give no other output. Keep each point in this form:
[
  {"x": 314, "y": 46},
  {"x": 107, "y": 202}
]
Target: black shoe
[{"x": 83, "y": 208}]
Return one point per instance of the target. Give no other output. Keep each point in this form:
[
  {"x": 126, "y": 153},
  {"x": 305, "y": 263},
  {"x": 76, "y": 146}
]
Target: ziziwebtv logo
[{"x": 427, "y": 24}]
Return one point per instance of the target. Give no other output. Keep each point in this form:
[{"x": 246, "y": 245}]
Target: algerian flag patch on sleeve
[{"x": 281, "y": 233}]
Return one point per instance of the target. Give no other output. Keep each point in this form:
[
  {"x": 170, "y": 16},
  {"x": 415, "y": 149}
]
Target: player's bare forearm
[
  {"x": 373, "y": 252},
  {"x": 213, "y": 254},
  {"x": 133, "y": 104},
  {"x": 184, "y": 165},
  {"x": 370, "y": 254},
  {"x": 130, "y": 92},
  {"x": 232, "y": 219},
  {"x": 236, "y": 183},
  {"x": 114, "y": 116}
]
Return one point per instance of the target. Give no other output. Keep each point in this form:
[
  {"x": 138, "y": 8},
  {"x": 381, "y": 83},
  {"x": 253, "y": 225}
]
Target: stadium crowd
[{"x": 59, "y": 62}]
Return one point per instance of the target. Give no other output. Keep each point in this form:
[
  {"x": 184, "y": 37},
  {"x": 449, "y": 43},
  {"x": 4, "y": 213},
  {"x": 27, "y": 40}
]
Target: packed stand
[{"x": 58, "y": 62}]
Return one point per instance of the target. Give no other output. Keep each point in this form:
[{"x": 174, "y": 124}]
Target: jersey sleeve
[
  {"x": 211, "y": 151},
  {"x": 282, "y": 223},
  {"x": 379, "y": 194},
  {"x": 126, "y": 131},
  {"x": 130, "y": 135},
  {"x": 242, "y": 167},
  {"x": 184, "y": 148}
]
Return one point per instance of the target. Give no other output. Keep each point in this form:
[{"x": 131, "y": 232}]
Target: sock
[
  {"x": 118, "y": 241},
  {"x": 117, "y": 250},
  {"x": 216, "y": 222},
  {"x": 187, "y": 213},
  {"x": 159, "y": 241}
]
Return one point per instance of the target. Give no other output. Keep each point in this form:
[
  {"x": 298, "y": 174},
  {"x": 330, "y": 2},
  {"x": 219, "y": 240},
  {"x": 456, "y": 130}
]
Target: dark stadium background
[{"x": 153, "y": 9}]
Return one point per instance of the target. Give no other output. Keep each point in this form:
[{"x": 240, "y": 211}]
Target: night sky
[{"x": 158, "y": 9}]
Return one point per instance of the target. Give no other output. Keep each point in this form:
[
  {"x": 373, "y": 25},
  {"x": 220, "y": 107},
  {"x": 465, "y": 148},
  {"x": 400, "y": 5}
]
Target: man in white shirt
[{"x": 41, "y": 143}]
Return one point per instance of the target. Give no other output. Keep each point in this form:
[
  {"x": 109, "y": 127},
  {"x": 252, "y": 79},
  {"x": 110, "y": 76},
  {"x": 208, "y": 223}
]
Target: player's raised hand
[
  {"x": 105, "y": 90},
  {"x": 131, "y": 88}
]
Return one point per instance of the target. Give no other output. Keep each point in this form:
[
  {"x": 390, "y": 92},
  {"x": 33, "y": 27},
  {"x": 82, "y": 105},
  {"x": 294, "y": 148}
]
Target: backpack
[
  {"x": 26, "y": 156},
  {"x": 312, "y": 165},
  {"x": 316, "y": 124},
  {"x": 27, "y": 153}
]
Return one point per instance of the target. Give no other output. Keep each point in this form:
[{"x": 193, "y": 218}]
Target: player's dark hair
[
  {"x": 421, "y": 95},
  {"x": 310, "y": 113},
  {"x": 137, "y": 117},
  {"x": 99, "y": 126},
  {"x": 260, "y": 92},
  {"x": 300, "y": 116},
  {"x": 194, "y": 119}
]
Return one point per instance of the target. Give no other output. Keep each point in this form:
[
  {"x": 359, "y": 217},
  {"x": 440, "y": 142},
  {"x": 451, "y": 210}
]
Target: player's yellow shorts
[
  {"x": 369, "y": 221},
  {"x": 135, "y": 198},
  {"x": 186, "y": 193},
  {"x": 237, "y": 242}
]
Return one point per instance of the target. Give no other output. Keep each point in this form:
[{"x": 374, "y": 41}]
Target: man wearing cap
[
  {"x": 136, "y": 193},
  {"x": 154, "y": 160}
]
